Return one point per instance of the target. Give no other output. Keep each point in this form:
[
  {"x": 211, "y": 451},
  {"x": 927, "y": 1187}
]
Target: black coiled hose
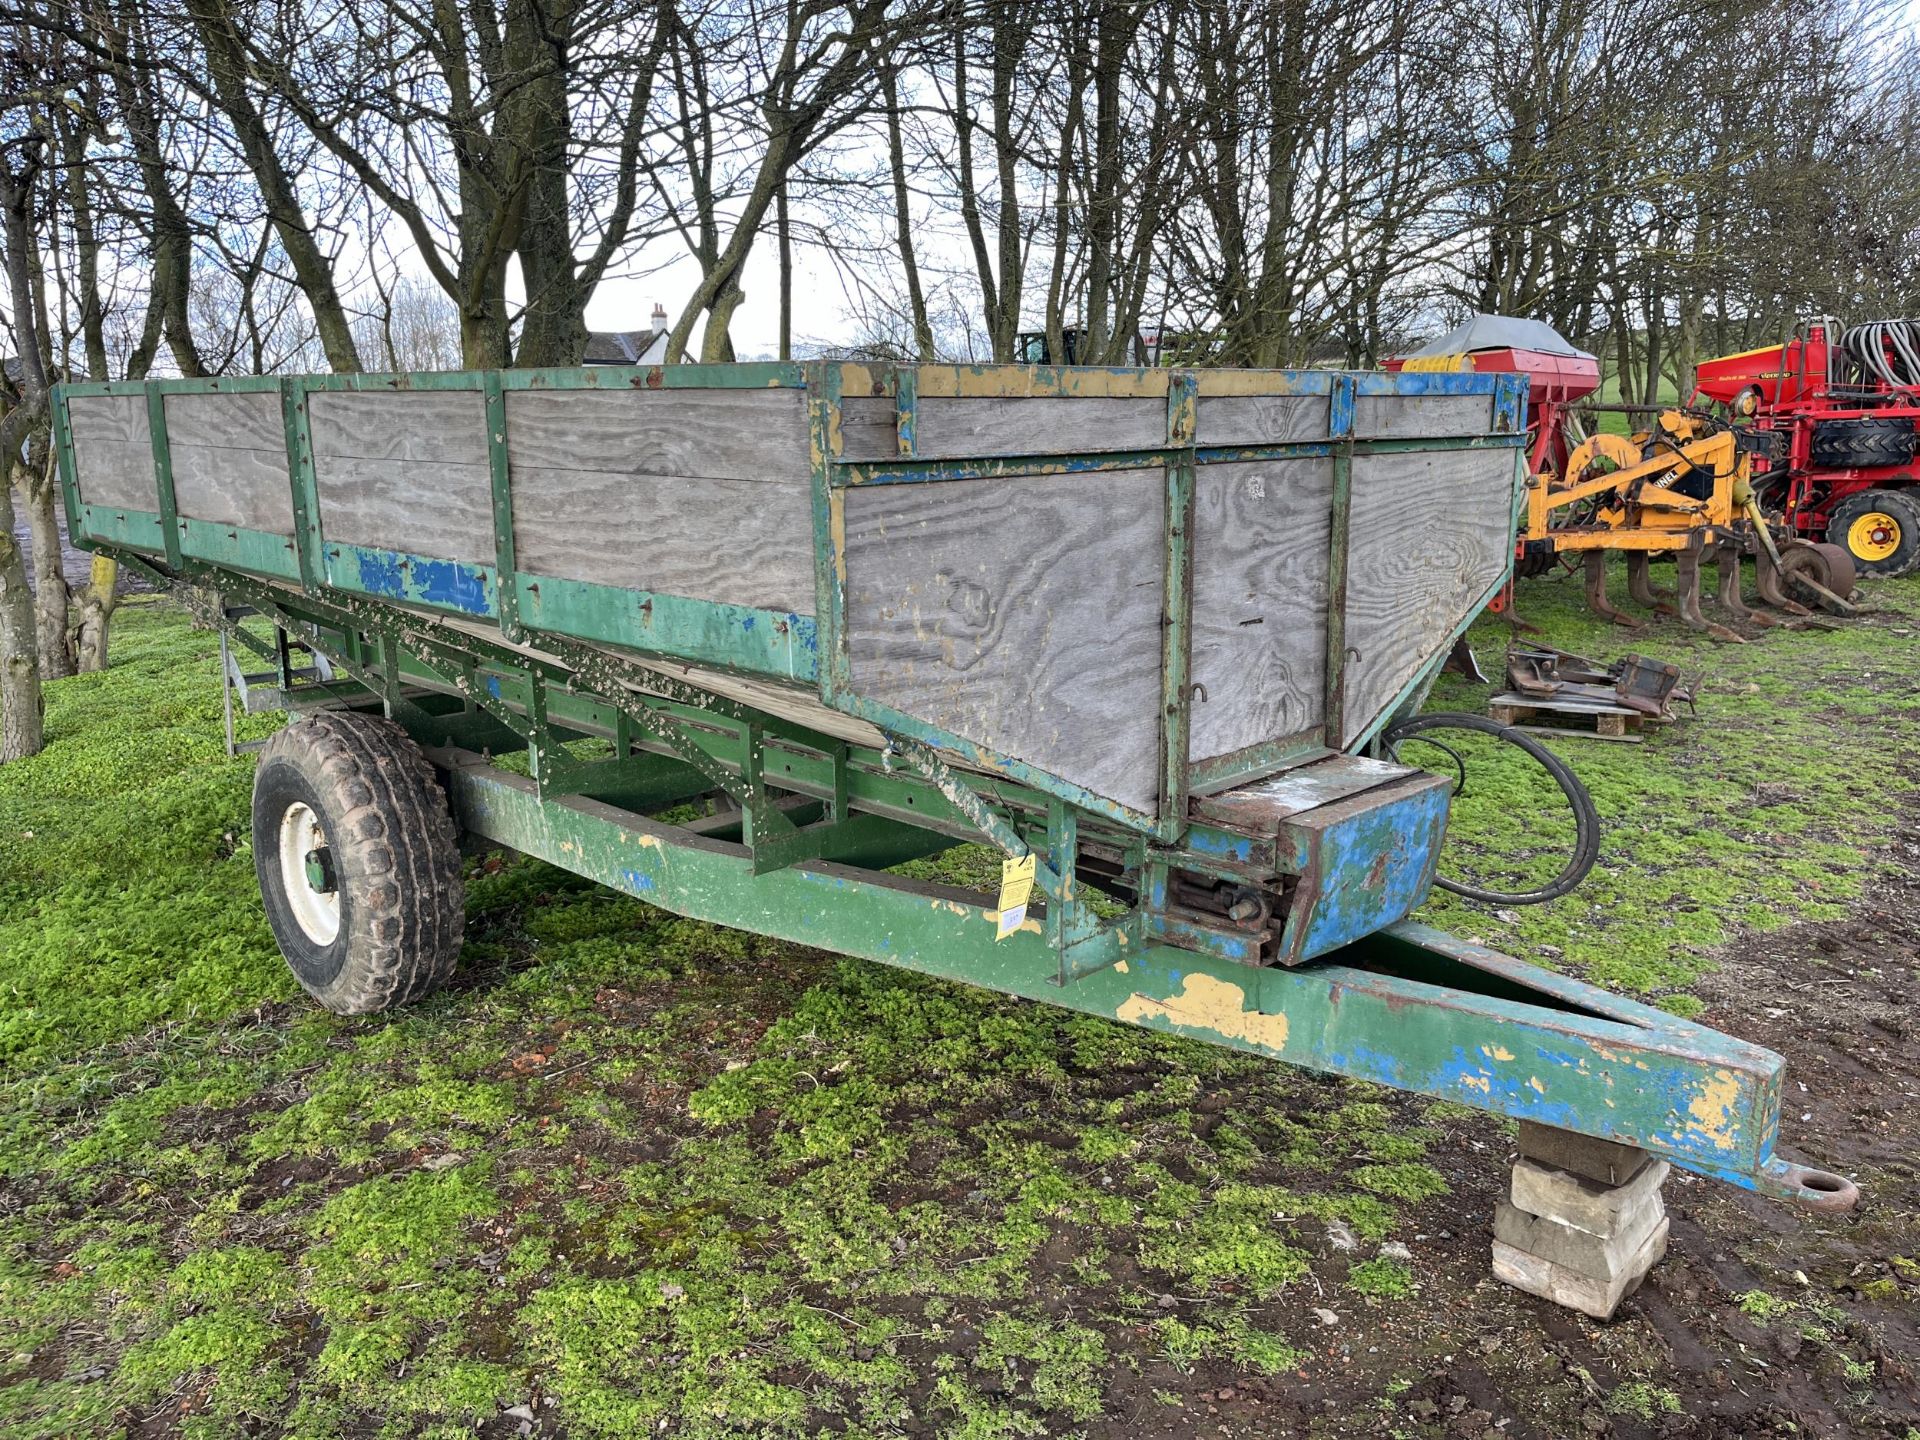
[{"x": 1586, "y": 820}]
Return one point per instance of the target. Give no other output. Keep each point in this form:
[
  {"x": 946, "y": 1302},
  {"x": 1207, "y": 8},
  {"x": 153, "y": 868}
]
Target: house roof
[{"x": 619, "y": 347}]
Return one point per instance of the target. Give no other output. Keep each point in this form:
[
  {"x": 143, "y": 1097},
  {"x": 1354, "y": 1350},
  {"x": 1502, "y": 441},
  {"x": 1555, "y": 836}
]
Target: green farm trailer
[{"x": 1139, "y": 630}]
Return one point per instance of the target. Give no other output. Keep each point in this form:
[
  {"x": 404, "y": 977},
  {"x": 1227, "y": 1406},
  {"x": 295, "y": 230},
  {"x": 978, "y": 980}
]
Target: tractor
[{"x": 1842, "y": 406}]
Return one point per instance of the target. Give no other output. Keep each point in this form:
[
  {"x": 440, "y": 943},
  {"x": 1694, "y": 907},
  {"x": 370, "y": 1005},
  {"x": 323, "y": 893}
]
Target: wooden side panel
[
  {"x": 1021, "y": 614},
  {"x": 1414, "y": 417},
  {"x": 1260, "y": 545},
  {"x": 868, "y": 428},
  {"x": 719, "y": 434},
  {"x": 1261, "y": 419},
  {"x": 230, "y": 460},
  {"x": 404, "y": 470},
  {"x": 741, "y": 542},
  {"x": 1429, "y": 533},
  {"x": 112, "y": 451},
  {"x": 973, "y": 427}
]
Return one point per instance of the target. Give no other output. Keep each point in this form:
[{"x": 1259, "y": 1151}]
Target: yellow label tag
[{"x": 1016, "y": 884}]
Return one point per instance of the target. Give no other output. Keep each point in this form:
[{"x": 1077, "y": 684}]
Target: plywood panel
[
  {"x": 1407, "y": 417},
  {"x": 442, "y": 426},
  {"x": 1022, "y": 614},
  {"x": 1261, "y": 419},
  {"x": 420, "y": 508},
  {"x": 1430, "y": 532},
  {"x": 230, "y": 459},
  {"x": 721, "y": 434},
  {"x": 868, "y": 428},
  {"x": 1260, "y": 557},
  {"x": 742, "y": 542},
  {"x": 980, "y": 426},
  {"x": 241, "y": 420},
  {"x": 113, "y": 456},
  {"x": 404, "y": 470}
]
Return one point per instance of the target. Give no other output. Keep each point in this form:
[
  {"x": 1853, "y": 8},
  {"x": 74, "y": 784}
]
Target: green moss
[{"x": 753, "y": 1189}]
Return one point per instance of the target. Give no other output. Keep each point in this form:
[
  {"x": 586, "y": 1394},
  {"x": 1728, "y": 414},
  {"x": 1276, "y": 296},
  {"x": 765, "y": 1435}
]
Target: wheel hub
[
  {"x": 307, "y": 875},
  {"x": 1874, "y": 536}
]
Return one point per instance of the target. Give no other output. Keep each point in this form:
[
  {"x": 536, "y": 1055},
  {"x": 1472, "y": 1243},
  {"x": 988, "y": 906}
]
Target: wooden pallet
[{"x": 1608, "y": 722}]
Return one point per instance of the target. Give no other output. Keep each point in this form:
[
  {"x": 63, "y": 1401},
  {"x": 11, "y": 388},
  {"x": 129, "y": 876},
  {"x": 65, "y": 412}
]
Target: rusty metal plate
[{"x": 1259, "y": 808}]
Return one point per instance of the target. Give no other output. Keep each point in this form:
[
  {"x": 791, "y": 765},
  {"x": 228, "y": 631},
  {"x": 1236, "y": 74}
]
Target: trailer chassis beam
[{"x": 1410, "y": 1008}]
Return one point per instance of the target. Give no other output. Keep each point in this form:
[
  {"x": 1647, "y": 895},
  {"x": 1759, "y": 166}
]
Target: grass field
[{"x": 634, "y": 1175}]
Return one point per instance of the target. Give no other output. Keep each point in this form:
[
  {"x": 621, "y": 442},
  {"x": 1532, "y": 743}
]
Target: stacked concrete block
[{"x": 1584, "y": 1221}]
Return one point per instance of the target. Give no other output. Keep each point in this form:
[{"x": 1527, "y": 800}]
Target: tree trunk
[
  {"x": 227, "y": 64},
  {"x": 94, "y": 614},
  {"x": 903, "y": 220},
  {"x": 50, "y": 596},
  {"x": 22, "y": 727}
]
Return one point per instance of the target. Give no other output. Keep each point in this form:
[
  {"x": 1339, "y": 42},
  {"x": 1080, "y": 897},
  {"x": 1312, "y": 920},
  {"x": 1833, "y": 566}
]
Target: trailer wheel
[
  {"x": 358, "y": 861},
  {"x": 1862, "y": 444},
  {"x": 1880, "y": 529}
]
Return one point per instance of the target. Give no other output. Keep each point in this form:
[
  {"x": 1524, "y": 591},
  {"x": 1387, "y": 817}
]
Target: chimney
[{"x": 659, "y": 317}]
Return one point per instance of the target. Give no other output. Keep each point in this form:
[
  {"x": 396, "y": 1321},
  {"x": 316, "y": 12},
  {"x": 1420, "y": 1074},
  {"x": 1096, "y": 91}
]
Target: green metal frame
[
  {"x": 819, "y": 819},
  {"x": 1410, "y": 1008}
]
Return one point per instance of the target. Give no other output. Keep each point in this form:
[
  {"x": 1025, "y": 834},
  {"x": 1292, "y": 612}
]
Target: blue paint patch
[
  {"x": 493, "y": 686},
  {"x": 380, "y": 574},
  {"x": 1219, "y": 843},
  {"x": 746, "y": 623},
  {"x": 451, "y": 585},
  {"x": 637, "y": 881}
]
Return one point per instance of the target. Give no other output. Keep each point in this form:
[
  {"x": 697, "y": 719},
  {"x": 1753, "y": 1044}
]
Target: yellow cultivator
[{"x": 1679, "y": 489}]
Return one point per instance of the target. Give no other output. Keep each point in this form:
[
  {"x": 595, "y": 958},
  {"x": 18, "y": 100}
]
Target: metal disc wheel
[
  {"x": 1879, "y": 530},
  {"x": 1827, "y": 565},
  {"x": 307, "y": 876},
  {"x": 358, "y": 861}
]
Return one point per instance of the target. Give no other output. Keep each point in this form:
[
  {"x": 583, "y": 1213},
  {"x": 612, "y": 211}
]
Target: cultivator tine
[
  {"x": 1727, "y": 558},
  {"x": 1640, "y": 584},
  {"x": 1768, "y": 582},
  {"x": 1686, "y": 593},
  {"x": 1597, "y": 592}
]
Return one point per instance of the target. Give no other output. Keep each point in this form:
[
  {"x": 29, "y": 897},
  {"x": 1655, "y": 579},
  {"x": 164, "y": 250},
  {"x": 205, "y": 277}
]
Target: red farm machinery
[
  {"x": 1683, "y": 488},
  {"x": 1841, "y": 408}
]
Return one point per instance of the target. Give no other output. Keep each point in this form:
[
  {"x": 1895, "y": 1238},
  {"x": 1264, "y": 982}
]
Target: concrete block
[
  {"x": 1603, "y": 1258},
  {"x": 1605, "y": 1161},
  {"x": 1570, "y": 1288},
  {"x": 1602, "y": 1210}
]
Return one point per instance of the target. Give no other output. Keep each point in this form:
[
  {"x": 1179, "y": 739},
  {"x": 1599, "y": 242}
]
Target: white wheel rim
[{"x": 316, "y": 912}]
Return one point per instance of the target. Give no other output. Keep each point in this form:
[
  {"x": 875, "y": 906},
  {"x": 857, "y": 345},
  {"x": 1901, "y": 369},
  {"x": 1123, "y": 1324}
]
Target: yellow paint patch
[
  {"x": 1534, "y": 1081},
  {"x": 837, "y": 533},
  {"x": 1205, "y": 1003},
  {"x": 1496, "y": 1052},
  {"x": 1712, "y": 1109},
  {"x": 954, "y": 905},
  {"x": 651, "y": 842},
  {"x": 1011, "y": 382},
  {"x": 1120, "y": 966},
  {"x": 1482, "y": 1083}
]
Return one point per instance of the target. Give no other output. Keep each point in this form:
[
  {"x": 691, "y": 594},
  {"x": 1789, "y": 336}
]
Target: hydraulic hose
[{"x": 1586, "y": 820}]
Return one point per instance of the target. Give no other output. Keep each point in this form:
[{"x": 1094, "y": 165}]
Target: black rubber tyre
[
  {"x": 358, "y": 861},
  {"x": 1880, "y": 530},
  {"x": 1862, "y": 444}
]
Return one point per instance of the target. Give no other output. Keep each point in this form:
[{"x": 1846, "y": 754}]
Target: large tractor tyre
[
  {"x": 358, "y": 861},
  {"x": 1862, "y": 444},
  {"x": 1880, "y": 530}
]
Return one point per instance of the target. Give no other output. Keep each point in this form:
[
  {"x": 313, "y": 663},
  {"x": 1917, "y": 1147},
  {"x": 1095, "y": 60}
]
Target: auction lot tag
[{"x": 1016, "y": 884}]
